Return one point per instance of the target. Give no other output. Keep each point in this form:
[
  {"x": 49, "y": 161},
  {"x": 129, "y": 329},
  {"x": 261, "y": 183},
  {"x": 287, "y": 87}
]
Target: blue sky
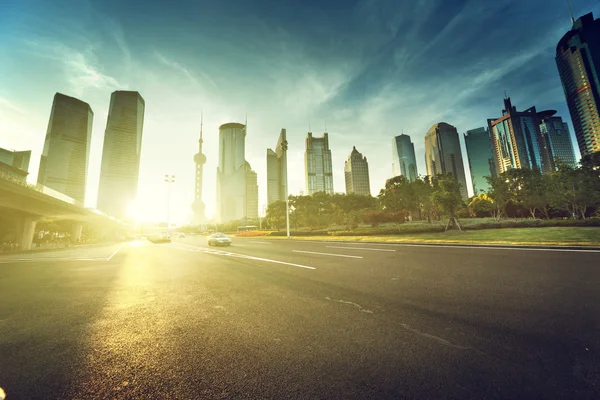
[{"x": 371, "y": 69}]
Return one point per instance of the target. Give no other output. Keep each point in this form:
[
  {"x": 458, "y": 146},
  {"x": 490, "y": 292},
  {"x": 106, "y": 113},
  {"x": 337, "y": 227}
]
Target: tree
[
  {"x": 276, "y": 214},
  {"x": 448, "y": 198},
  {"x": 481, "y": 205},
  {"x": 499, "y": 193},
  {"x": 576, "y": 190}
]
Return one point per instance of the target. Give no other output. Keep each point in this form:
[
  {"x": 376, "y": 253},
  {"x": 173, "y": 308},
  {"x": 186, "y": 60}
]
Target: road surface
[{"x": 279, "y": 319}]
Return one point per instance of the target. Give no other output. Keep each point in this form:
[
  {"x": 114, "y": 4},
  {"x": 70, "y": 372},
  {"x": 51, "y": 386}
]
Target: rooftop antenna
[
  {"x": 309, "y": 125},
  {"x": 505, "y": 95},
  {"x": 570, "y": 12},
  {"x": 325, "y": 125},
  {"x": 201, "y": 122}
]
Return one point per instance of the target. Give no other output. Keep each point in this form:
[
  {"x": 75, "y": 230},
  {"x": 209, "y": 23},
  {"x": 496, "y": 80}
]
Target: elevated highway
[{"x": 24, "y": 205}]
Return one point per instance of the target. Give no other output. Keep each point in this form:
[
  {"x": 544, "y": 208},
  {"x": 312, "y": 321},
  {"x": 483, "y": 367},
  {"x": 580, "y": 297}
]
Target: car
[
  {"x": 160, "y": 238},
  {"x": 219, "y": 239}
]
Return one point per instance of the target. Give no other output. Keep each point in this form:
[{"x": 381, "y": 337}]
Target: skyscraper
[
  {"x": 356, "y": 171},
  {"x": 15, "y": 164},
  {"x": 237, "y": 188},
  {"x": 443, "y": 154},
  {"x": 277, "y": 170},
  {"x": 517, "y": 141},
  {"x": 66, "y": 153},
  {"x": 120, "y": 166},
  {"x": 481, "y": 159},
  {"x": 317, "y": 165},
  {"x": 198, "y": 204},
  {"x": 578, "y": 62},
  {"x": 403, "y": 157},
  {"x": 557, "y": 139}
]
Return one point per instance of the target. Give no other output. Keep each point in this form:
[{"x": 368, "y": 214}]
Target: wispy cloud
[{"x": 80, "y": 70}]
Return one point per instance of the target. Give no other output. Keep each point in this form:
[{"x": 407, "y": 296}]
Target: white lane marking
[
  {"x": 236, "y": 255},
  {"x": 436, "y": 338},
  {"x": 113, "y": 254},
  {"x": 360, "y": 308},
  {"x": 325, "y": 254},
  {"x": 358, "y": 248},
  {"x": 247, "y": 257},
  {"x": 458, "y": 246}
]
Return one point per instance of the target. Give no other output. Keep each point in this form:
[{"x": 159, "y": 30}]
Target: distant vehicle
[
  {"x": 181, "y": 235},
  {"x": 219, "y": 239},
  {"x": 160, "y": 238}
]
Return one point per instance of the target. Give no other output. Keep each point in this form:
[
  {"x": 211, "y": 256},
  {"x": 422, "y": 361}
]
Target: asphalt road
[{"x": 299, "y": 320}]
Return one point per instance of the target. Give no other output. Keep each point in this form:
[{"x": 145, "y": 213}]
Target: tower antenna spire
[
  {"x": 201, "y": 123},
  {"x": 309, "y": 124},
  {"x": 570, "y": 12},
  {"x": 325, "y": 125}
]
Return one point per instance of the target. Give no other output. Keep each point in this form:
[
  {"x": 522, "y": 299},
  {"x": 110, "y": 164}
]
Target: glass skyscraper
[
  {"x": 403, "y": 157},
  {"x": 443, "y": 154},
  {"x": 66, "y": 153},
  {"x": 517, "y": 141},
  {"x": 277, "y": 170},
  {"x": 317, "y": 165},
  {"x": 120, "y": 166},
  {"x": 237, "y": 187},
  {"x": 481, "y": 160},
  {"x": 356, "y": 172},
  {"x": 558, "y": 139},
  {"x": 578, "y": 62}
]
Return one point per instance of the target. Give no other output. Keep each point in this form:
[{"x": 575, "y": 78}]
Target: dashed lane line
[
  {"x": 359, "y": 248},
  {"x": 326, "y": 254}
]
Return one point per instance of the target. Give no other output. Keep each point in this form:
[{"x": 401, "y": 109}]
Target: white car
[{"x": 219, "y": 239}]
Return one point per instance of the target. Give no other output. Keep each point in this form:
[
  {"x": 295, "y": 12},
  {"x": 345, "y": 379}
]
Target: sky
[{"x": 367, "y": 70}]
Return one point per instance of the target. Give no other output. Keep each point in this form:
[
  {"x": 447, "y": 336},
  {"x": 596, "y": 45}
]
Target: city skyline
[{"x": 360, "y": 102}]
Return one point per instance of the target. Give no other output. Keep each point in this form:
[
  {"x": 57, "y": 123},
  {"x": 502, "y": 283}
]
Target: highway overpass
[{"x": 24, "y": 204}]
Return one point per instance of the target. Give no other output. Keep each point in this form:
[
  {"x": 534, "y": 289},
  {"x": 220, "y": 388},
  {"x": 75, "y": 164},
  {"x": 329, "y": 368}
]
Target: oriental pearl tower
[{"x": 198, "y": 204}]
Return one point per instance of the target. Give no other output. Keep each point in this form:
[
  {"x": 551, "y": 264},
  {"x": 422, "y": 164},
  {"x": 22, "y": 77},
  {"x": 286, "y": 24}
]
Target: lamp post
[{"x": 169, "y": 179}]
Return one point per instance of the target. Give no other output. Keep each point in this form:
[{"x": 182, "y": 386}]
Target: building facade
[
  {"x": 237, "y": 188},
  {"x": 481, "y": 159},
  {"x": 557, "y": 140},
  {"x": 317, "y": 165},
  {"x": 277, "y": 170},
  {"x": 119, "y": 171},
  {"x": 578, "y": 62},
  {"x": 356, "y": 171},
  {"x": 66, "y": 153},
  {"x": 404, "y": 161},
  {"x": 517, "y": 141},
  {"x": 443, "y": 154},
  {"x": 15, "y": 164}
]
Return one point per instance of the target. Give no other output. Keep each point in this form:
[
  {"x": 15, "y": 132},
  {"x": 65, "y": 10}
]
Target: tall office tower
[
  {"x": 403, "y": 157},
  {"x": 251, "y": 193},
  {"x": 120, "y": 166},
  {"x": 481, "y": 159},
  {"x": 317, "y": 165},
  {"x": 443, "y": 154},
  {"x": 277, "y": 170},
  {"x": 517, "y": 141},
  {"x": 356, "y": 171},
  {"x": 66, "y": 153},
  {"x": 237, "y": 190},
  {"x": 15, "y": 164},
  {"x": 198, "y": 205},
  {"x": 557, "y": 139},
  {"x": 578, "y": 62}
]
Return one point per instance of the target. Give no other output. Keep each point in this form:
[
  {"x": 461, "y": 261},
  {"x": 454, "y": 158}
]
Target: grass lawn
[{"x": 556, "y": 236}]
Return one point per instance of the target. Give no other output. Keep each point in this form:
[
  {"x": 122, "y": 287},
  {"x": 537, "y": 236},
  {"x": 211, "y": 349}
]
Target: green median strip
[{"x": 558, "y": 236}]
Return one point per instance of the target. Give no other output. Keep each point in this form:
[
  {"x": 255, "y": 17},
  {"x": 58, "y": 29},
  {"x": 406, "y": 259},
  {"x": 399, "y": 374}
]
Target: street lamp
[{"x": 169, "y": 179}]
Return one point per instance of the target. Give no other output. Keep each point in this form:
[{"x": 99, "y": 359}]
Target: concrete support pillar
[
  {"x": 76, "y": 230},
  {"x": 25, "y": 231}
]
